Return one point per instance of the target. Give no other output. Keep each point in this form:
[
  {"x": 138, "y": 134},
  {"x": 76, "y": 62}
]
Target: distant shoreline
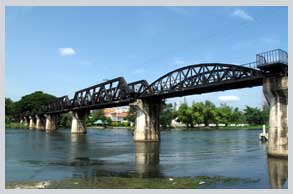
[{"x": 251, "y": 127}]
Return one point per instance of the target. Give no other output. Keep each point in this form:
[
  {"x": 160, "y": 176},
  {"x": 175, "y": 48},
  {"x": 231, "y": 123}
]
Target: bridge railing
[
  {"x": 272, "y": 57},
  {"x": 250, "y": 65}
]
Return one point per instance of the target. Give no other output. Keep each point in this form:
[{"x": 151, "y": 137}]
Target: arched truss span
[{"x": 203, "y": 78}]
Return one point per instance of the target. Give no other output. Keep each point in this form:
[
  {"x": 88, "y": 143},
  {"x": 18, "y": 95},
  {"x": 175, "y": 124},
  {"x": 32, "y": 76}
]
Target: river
[{"x": 36, "y": 155}]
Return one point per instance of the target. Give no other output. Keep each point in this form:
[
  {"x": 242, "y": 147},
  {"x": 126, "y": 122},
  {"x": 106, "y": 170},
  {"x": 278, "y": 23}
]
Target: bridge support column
[
  {"x": 40, "y": 123},
  {"x": 50, "y": 122},
  {"x": 147, "y": 124},
  {"x": 32, "y": 122},
  {"x": 78, "y": 124},
  {"x": 276, "y": 92}
]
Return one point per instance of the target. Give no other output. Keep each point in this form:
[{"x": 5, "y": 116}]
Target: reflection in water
[
  {"x": 79, "y": 150},
  {"x": 78, "y": 138},
  {"x": 36, "y": 155},
  {"x": 278, "y": 172},
  {"x": 147, "y": 157}
]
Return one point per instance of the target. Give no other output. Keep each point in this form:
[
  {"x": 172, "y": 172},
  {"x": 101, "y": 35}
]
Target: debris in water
[
  {"x": 42, "y": 185},
  {"x": 201, "y": 183}
]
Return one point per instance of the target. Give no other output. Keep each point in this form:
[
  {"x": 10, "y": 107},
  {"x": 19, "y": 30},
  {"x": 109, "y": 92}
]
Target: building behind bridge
[{"x": 117, "y": 114}]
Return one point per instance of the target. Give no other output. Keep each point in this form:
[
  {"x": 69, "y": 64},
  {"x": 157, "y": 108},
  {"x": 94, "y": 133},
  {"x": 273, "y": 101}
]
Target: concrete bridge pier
[
  {"x": 32, "y": 122},
  {"x": 147, "y": 124},
  {"x": 276, "y": 92},
  {"x": 78, "y": 124},
  {"x": 40, "y": 122},
  {"x": 51, "y": 120}
]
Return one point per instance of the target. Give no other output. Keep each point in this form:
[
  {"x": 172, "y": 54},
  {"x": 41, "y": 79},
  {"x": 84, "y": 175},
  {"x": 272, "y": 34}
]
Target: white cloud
[
  {"x": 66, "y": 51},
  {"x": 228, "y": 98},
  {"x": 242, "y": 14}
]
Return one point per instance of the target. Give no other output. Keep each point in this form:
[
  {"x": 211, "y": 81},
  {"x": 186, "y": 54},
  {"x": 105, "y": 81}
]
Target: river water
[{"x": 36, "y": 155}]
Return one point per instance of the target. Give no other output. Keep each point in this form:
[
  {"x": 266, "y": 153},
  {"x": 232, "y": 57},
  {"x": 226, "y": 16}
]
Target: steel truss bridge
[{"x": 192, "y": 79}]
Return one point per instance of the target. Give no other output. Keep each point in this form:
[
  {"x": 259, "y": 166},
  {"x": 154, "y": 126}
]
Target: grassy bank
[
  {"x": 131, "y": 183},
  {"x": 15, "y": 126},
  {"x": 234, "y": 127},
  {"x": 253, "y": 127}
]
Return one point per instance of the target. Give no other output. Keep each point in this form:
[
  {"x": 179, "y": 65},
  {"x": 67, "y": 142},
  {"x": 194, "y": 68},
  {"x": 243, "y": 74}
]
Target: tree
[
  {"x": 32, "y": 102},
  {"x": 184, "y": 115},
  {"x": 265, "y": 113},
  {"x": 166, "y": 115},
  {"x": 131, "y": 117},
  {"x": 65, "y": 120},
  {"x": 224, "y": 114},
  {"x": 197, "y": 112},
  {"x": 9, "y": 110},
  {"x": 255, "y": 115},
  {"x": 209, "y": 113},
  {"x": 97, "y": 115},
  {"x": 237, "y": 116}
]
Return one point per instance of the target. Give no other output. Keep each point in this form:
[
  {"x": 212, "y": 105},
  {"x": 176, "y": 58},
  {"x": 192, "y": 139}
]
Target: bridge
[{"x": 270, "y": 69}]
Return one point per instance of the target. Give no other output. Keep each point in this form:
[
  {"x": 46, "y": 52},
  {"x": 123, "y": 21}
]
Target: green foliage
[
  {"x": 65, "y": 120},
  {"x": 237, "y": 116},
  {"x": 115, "y": 124},
  {"x": 197, "y": 112},
  {"x": 13, "y": 125},
  {"x": 166, "y": 115},
  {"x": 126, "y": 124},
  {"x": 265, "y": 113},
  {"x": 207, "y": 113},
  {"x": 131, "y": 114},
  {"x": 184, "y": 115},
  {"x": 98, "y": 115},
  {"x": 256, "y": 116},
  {"x": 33, "y": 101},
  {"x": 30, "y": 102},
  {"x": 108, "y": 121},
  {"x": 9, "y": 110}
]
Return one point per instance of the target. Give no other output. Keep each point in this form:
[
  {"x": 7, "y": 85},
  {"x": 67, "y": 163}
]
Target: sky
[{"x": 60, "y": 50}]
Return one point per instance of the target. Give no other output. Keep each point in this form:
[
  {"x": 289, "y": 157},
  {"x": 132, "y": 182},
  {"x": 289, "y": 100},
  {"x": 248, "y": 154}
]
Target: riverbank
[
  {"x": 15, "y": 126},
  {"x": 131, "y": 183},
  {"x": 251, "y": 127}
]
